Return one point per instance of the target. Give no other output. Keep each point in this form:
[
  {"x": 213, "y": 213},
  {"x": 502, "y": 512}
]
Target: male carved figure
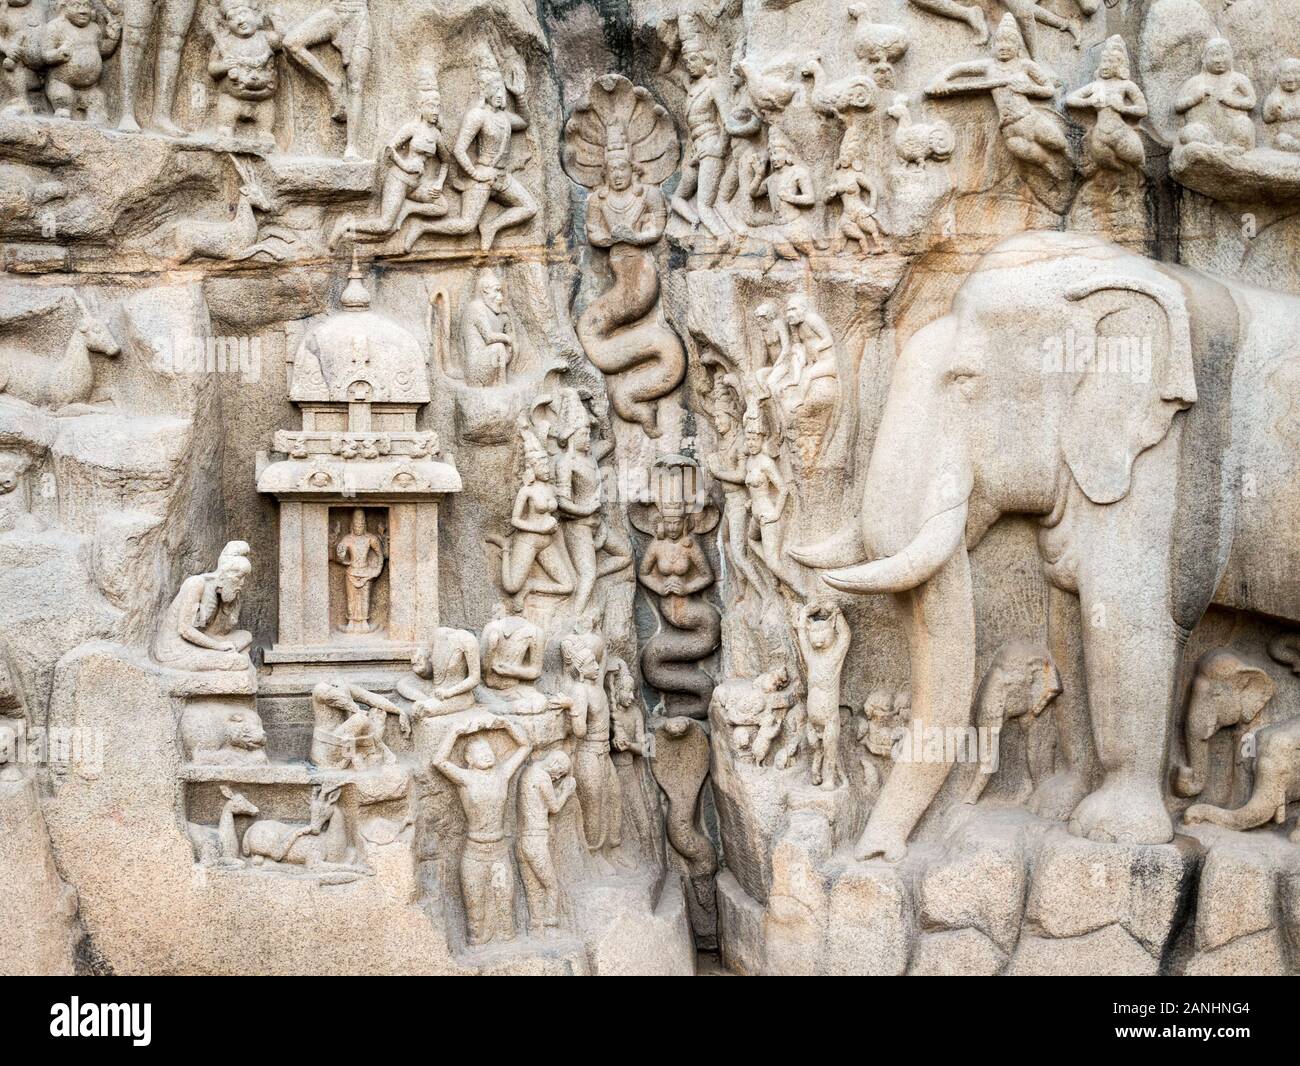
[
  {"x": 487, "y": 883},
  {"x": 488, "y": 128},
  {"x": 198, "y": 630},
  {"x": 544, "y": 788},
  {"x": 446, "y": 674},
  {"x": 362, "y": 554},
  {"x": 357, "y": 743},
  {"x": 173, "y": 18},
  {"x": 487, "y": 341},
  {"x": 346, "y": 25},
  {"x": 823, "y": 637},
  {"x": 589, "y": 718},
  {"x": 702, "y": 170}
]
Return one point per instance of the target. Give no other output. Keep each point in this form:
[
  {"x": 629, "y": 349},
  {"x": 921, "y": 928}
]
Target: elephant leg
[
  {"x": 1131, "y": 665},
  {"x": 1059, "y": 792}
]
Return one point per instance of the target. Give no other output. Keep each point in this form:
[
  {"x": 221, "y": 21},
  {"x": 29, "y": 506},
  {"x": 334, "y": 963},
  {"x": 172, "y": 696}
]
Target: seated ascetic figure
[
  {"x": 444, "y": 674},
  {"x": 199, "y": 631},
  {"x": 512, "y": 649}
]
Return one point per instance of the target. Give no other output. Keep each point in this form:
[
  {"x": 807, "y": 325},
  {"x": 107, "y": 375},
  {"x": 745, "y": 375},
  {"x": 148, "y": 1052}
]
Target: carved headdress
[
  {"x": 1008, "y": 30},
  {"x": 618, "y": 117}
]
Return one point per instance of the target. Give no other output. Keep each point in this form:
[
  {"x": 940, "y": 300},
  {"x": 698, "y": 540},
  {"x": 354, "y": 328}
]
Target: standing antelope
[{"x": 64, "y": 384}]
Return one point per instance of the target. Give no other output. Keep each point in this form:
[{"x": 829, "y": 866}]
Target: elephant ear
[
  {"x": 1140, "y": 376},
  {"x": 1253, "y": 688}
]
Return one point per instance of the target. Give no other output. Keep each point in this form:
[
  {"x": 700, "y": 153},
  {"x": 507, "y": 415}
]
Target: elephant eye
[{"x": 963, "y": 379}]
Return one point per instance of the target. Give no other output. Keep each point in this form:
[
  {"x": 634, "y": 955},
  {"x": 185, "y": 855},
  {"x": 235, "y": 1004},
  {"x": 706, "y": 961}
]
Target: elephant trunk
[
  {"x": 941, "y": 636},
  {"x": 1189, "y": 779}
]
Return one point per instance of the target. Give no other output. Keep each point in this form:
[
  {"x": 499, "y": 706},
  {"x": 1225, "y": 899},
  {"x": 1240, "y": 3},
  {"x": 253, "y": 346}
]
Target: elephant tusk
[
  {"x": 938, "y": 538},
  {"x": 843, "y": 549}
]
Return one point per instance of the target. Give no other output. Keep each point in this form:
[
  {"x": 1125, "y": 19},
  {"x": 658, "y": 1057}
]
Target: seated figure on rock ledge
[
  {"x": 445, "y": 674},
  {"x": 1216, "y": 102},
  {"x": 512, "y": 649},
  {"x": 198, "y": 630}
]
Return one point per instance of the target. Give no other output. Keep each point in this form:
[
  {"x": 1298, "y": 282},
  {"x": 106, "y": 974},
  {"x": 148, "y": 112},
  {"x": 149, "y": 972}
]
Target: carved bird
[{"x": 916, "y": 142}]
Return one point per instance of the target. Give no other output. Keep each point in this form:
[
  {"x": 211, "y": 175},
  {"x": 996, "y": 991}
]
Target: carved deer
[
  {"x": 64, "y": 384},
  {"x": 220, "y": 846},
  {"x": 320, "y": 844},
  {"x": 192, "y": 238}
]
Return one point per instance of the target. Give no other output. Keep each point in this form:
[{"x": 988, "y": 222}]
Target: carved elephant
[
  {"x": 1277, "y": 782},
  {"x": 1228, "y": 690},
  {"x": 1115, "y": 399}
]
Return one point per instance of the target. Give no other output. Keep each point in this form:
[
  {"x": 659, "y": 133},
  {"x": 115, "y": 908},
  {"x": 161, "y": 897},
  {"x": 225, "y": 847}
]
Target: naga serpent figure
[
  {"x": 643, "y": 359},
  {"x": 676, "y": 570}
]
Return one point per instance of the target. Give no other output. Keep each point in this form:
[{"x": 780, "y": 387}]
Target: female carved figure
[
  {"x": 414, "y": 163},
  {"x": 1216, "y": 103},
  {"x": 199, "y": 630},
  {"x": 702, "y": 174},
  {"x": 675, "y": 568},
  {"x": 578, "y": 492},
  {"x": 858, "y": 220},
  {"x": 822, "y": 635},
  {"x": 589, "y": 720},
  {"x": 362, "y": 554},
  {"x": 642, "y": 359},
  {"x": 535, "y": 535},
  {"x": 1032, "y": 132},
  {"x": 768, "y": 495},
  {"x": 1113, "y": 144},
  {"x": 812, "y": 403},
  {"x": 793, "y": 198}
]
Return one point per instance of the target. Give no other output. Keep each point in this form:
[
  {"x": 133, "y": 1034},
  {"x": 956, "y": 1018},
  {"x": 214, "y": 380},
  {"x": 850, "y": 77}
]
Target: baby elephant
[{"x": 1277, "y": 782}]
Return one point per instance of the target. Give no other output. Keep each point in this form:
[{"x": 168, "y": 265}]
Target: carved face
[
  {"x": 430, "y": 105},
  {"x": 618, "y": 171},
  {"x": 490, "y": 293},
  {"x": 581, "y": 439},
  {"x": 230, "y": 583},
  {"x": 1005, "y": 47},
  {"x": 821, "y": 630},
  {"x": 796, "y": 309},
  {"x": 697, "y": 61},
  {"x": 358, "y": 522},
  {"x": 753, "y": 441},
  {"x": 478, "y": 754},
  {"x": 79, "y": 12},
  {"x": 1218, "y": 56},
  {"x": 540, "y": 467},
  {"x": 775, "y": 680},
  {"x": 674, "y": 525},
  {"x": 1288, "y": 75},
  {"x": 494, "y": 93},
  {"x": 422, "y": 663},
  {"x": 880, "y": 67},
  {"x": 243, "y": 21},
  {"x": 557, "y": 765}
]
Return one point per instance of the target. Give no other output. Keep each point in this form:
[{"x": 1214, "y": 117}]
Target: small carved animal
[
  {"x": 223, "y": 734},
  {"x": 321, "y": 844},
  {"x": 65, "y": 384},
  {"x": 220, "y": 846},
  {"x": 1277, "y": 782},
  {"x": 915, "y": 142},
  {"x": 191, "y": 238}
]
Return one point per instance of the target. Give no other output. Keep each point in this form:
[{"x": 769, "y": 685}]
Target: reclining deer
[
  {"x": 321, "y": 844},
  {"x": 65, "y": 384},
  {"x": 233, "y": 238}
]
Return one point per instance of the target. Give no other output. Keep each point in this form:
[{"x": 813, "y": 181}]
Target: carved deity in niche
[
  {"x": 1034, "y": 135},
  {"x": 642, "y": 359},
  {"x": 199, "y": 630},
  {"x": 545, "y": 786},
  {"x": 74, "y": 45},
  {"x": 445, "y": 674},
  {"x": 414, "y": 163},
  {"x": 1216, "y": 102},
  {"x": 362, "y": 555},
  {"x": 487, "y": 882},
  {"x": 345, "y": 24},
  {"x": 487, "y": 339},
  {"x": 589, "y": 721},
  {"x": 1113, "y": 143},
  {"x": 487, "y": 130},
  {"x": 533, "y": 558},
  {"x": 822, "y": 636},
  {"x": 243, "y": 64}
]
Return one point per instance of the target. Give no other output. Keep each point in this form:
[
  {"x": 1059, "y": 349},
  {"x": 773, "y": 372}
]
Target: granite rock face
[{"x": 493, "y": 490}]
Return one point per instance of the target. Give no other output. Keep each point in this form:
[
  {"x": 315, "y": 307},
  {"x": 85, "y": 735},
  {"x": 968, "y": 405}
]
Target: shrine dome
[{"x": 359, "y": 356}]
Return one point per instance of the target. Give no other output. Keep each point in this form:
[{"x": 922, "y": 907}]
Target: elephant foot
[
  {"x": 1058, "y": 795},
  {"x": 886, "y": 843},
  {"x": 1123, "y": 811}
]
